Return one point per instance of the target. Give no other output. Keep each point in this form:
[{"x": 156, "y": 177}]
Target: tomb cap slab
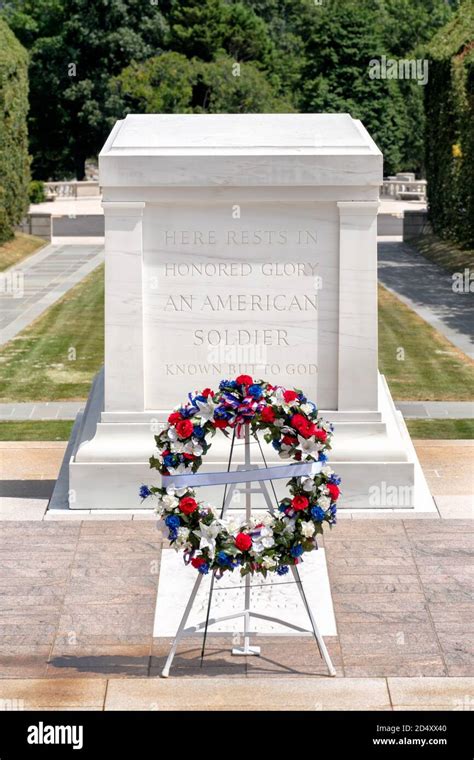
[{"x": 166, "y": 150}]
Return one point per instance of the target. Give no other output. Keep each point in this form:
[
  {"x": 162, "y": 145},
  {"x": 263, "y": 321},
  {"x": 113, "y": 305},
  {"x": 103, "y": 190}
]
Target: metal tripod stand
[{"x": 247, "y": 613}]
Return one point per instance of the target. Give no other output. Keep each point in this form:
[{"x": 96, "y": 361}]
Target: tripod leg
[
  {"x": 319, "y": 639},
  {"x": 246, "y": 649},
  {"x": 166, "y": 670}
]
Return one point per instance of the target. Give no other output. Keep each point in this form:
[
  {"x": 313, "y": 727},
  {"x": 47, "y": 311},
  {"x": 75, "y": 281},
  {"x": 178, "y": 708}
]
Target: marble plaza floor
[{"x": 77, "y": 604}]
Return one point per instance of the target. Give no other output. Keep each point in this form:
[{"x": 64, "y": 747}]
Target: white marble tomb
[{"x": 240, "y": 243}]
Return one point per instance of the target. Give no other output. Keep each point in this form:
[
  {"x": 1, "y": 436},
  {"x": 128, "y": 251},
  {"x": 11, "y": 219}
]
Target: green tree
[
  {"x": 170, "y": 83},
  {"x": 205, "y": 28},
  {"x": 449, "y": 128},
  {"x": 75, "y": 47},
  {"x": 14, "y": 159}
]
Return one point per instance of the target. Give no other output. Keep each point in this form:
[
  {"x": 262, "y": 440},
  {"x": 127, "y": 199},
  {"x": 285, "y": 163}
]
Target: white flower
[
  {"x": 266, "y": 537},
  {"x": 307, "y": 445},
  {"x": 182, "y": 539},
  {"x": 206, "y": 409},
  {"x": 193, "y": 447},
  {"x": 327, "y": 471},
  {"x": 284, "y": 453},
  {"x": 262, "y": 540},
  {"x": 307, "y": 408},
  {"x": 278, "y": 423},
  {"x": 172, "y": 434},
  {"x": 169, "y": 502},
  {"x": 307, "y": 484},
  {"x": 307, "y": 529},
  {"x": 233, "y": 527},
  {"x": 289, "y": 523},
  {"x": 324, "y": 502},
  {"x": 269, "y": 563},
  {"x": 177, "y": 470},
  {"x": 278, "y": 396},
  {"x": 208, "y": 535}
]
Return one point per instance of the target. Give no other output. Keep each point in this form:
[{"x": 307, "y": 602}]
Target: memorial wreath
[{"x": 271, "y": 543}]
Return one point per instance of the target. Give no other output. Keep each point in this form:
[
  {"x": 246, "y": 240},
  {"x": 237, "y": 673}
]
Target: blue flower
[
  {"x": 170, "y": 460},
  {"x": 172, "y": 521},
  {"x": 222, "y": 413},
  {"x": 144, "y": 492},
  {"x": 187, "y": 411},
  {"x": 317, "y": 512},
  {"x": 255, "y": 391},
  {"x": 173, "y": 534},
  {"x": 282, "y": 570},
  {"x": 322, "y": 457},
  {"x": 334, "y": 479},
  {"x": 227, "y": 384},
  {"x": 276, "y": 444},
  {"x": 224, "y": 558},
  {"x": 203, "y": 569},
  {"x": 282, "y": 507},
  {"x": 296, "y": 551},
  {"x": 199, "y": 432}
]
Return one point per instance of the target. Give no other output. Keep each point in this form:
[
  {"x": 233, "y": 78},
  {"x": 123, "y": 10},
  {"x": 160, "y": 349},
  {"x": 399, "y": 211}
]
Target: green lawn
[
  {"x": 36, "y": 430},
  {"x": 418, "y": 362},
  {"x": 435, "y": 429},
  {"x": 18, "y": 249},
  {"x": 39, "y": 364},
  {"x": 56, "y": 357},
  {"x": 443, "y": 252}
]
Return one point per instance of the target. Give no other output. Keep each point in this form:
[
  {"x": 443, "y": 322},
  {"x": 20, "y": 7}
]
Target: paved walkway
[
  {"x": 41, "y": 280},
  {"x": 397, "y": 587},
  {"x": 436, "y": 410},
  {"x": 427, "y": 289},
  {"x": 67, "y": 410},
  {"x": 41, "y": 410}
]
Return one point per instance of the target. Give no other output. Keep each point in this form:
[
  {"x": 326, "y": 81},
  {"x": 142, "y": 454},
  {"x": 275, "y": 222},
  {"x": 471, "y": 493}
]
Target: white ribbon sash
[{"x": 310, "y": 469}]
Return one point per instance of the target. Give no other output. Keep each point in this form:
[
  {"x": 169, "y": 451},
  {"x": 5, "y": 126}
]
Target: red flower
[
  {"x": 188, "y": 505},
  {"x": 267, "y": 414},
  {"x": 184, "y": 428},
  {"x": 243, "y": 542},
  {"x": 188, "y": 456},
  {"x": 333, "y": 490},
  {"x": 290, "y": 396},
  {"x": 220, "y": 423},
  {"x": 244, "y": 380},
  {"x": 299, "y": 502},
  {"x": 305, "y": 427},
  {"x": 321, "y": 435},
  {"x": 207, "y": 392},
  {"x": 174, "y": 418},
  {"x": 289, "y": 440},
  {"x": 198, "y": 561},
  {"x": 298, "y": 420}
]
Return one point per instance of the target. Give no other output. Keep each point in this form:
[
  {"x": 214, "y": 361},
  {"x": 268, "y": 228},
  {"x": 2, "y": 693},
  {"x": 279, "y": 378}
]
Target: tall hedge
[
  {"x": 14, "y": 159},
  {"x": 449, "y": 107}
]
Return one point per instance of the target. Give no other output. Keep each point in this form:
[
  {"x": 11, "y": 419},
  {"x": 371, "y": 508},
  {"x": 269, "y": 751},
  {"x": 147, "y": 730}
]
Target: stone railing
[
  {"x": 71, "y": 189},
  {"x": 406, "y": 190}
]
